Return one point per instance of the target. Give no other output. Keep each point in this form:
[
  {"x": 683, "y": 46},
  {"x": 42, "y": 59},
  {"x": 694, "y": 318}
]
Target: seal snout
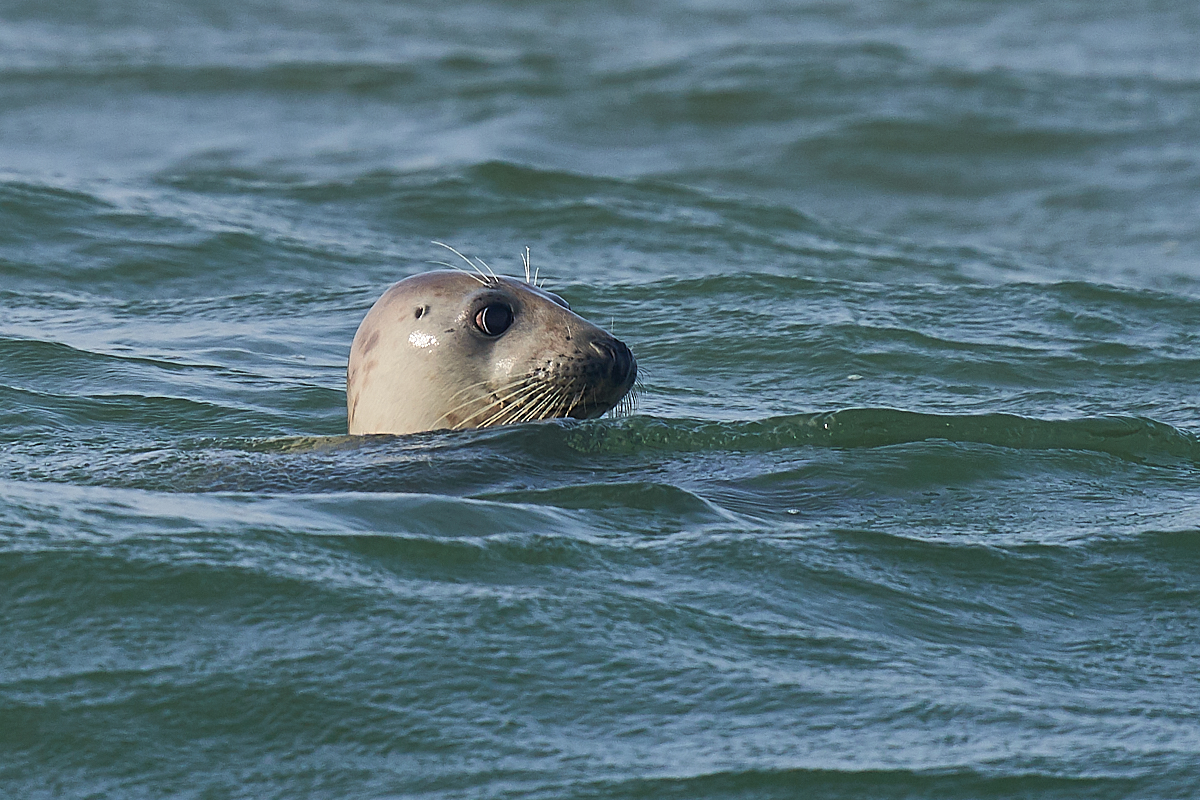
[{"x": 622, "y": 366}]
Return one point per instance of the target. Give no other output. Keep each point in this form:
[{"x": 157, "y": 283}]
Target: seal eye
[{"x": 494, "y": 319}]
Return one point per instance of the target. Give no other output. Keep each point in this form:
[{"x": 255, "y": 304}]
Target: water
[{"x": 907, "y": 507}]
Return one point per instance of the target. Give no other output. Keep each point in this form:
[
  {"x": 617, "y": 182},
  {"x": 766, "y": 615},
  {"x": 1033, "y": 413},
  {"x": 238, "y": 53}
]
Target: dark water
[{"x": 909, "y": 504}]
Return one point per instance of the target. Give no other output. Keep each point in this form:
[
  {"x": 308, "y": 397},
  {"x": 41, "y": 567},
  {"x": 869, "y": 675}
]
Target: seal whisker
[
  {"x": 495, "y": 419},
  {"x": 575, "y": 403},
  {"x": 544, "y": 406},
  {"x": 548, "y": 404},
  {"x": 445, "y": 417},
  {"x": 457, "y": 268},
  {"x": 626, "y": 406},
  {"x": 561, "y": 405},
  {"x": 512, "y": 410},
  {"x": 513, "y": 406},
  {"x": 513, "y": 390},
  {"x": 474, "y": 421},
  {"x": 509, "y": 400},
  {"x": 526, "y": 261},
  {"x": 474, "y": 387},
  {"x": 485, "y": 266},
  {"x": 471, "y": 400},
  {"x": 533, "y": 403},
  {"x": 484, "y": 277}
]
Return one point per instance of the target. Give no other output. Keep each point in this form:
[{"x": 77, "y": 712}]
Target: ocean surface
[{"x": 909, "y": 504}]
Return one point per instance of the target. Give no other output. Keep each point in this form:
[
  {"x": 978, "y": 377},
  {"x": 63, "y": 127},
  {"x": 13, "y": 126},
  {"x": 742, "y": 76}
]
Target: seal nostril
[{"x": 622, "y": 366}]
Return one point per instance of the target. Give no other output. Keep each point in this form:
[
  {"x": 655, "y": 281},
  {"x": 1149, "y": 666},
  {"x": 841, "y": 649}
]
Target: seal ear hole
[
  {"x": 420, "y": 312},
  {"x": 494, "y": 319}
]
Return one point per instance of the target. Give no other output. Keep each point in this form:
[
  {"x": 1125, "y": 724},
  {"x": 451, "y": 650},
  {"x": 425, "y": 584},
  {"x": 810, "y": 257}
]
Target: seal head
[{"x": 452, "y": 350}]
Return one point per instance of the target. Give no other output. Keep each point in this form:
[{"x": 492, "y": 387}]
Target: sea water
[{"x": 908, "y": 506}]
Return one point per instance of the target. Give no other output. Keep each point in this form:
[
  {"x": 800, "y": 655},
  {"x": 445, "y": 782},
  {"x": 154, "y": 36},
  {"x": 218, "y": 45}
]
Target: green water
[{"x": 907, "y": 505}]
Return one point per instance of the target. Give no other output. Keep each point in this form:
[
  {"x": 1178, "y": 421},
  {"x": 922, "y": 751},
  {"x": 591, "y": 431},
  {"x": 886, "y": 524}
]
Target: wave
[
  {"x": 624, "y": 218},
  {"x": 1133, "y": 438},
  {"x": 857, "y": 781},
  {"x": 558, "y": 453}
]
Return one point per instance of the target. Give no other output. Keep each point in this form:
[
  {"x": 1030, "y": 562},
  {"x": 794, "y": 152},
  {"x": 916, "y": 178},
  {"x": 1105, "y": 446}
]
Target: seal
[{"x": 453, "y": 349}]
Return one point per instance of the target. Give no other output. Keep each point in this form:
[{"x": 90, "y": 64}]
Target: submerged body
[{"x": 454, "y": 350}]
